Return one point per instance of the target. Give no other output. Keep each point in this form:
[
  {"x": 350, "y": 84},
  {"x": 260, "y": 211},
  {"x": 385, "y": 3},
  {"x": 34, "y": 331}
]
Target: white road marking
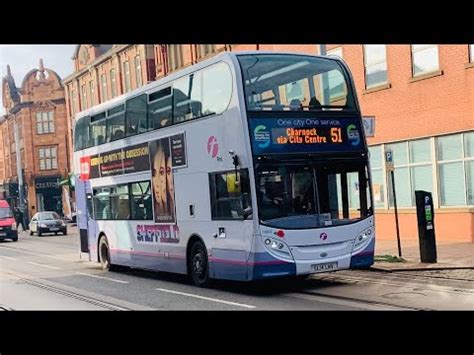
[
  {"x": 206, "y": 298},
  {"x": 8, "y": 257},
  {"x": 44, "y": 265},
  {"x": 102, "y": 277}
]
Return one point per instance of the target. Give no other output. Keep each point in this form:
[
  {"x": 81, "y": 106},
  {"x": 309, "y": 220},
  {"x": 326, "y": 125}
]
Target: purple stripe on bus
[
  {"x": 171, "y": 256},
  {"x": 240, "y": 262},
  {"x": 212, "y": 259}
]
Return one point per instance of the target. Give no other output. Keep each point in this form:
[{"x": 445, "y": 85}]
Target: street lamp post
[{"x": 19, "y": 169}]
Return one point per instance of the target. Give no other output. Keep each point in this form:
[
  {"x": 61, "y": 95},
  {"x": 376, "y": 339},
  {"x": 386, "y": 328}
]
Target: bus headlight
[
  {"x": 362, "y": 238},
  {"x": 277, "y": 246}
]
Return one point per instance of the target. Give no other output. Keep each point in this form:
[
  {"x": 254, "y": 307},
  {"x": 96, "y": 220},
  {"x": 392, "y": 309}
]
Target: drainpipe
[{"x": 322, "y": 49}]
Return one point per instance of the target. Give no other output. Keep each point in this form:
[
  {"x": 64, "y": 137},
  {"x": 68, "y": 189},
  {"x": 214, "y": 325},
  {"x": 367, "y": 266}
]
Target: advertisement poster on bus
[
  {"x": 165, "y": 155},
  {"x": 116, "y": 162},
  {"x": 162, "y": 180},
  {"x": 157, "y": 234}
]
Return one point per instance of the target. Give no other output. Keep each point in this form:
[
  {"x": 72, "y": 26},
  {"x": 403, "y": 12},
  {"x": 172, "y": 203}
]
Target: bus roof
[{"x": 182, "y": 72}]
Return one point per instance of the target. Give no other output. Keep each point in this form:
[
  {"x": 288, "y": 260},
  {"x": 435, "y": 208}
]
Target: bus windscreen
[{"x": 283, "y": 82}]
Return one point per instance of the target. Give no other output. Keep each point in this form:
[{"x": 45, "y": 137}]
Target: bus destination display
[{"x": 271, "y": 135}]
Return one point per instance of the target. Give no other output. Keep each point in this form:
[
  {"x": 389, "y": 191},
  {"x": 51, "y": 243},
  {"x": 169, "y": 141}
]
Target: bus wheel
[
  {"x": 104, "y": 253},
  {"x": 198, "y": 265}
]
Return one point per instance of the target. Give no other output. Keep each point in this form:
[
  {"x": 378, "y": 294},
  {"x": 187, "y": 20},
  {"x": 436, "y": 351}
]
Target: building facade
[
  {"x": 37, "y": 111},
  {"x": 421, "y": 98}
]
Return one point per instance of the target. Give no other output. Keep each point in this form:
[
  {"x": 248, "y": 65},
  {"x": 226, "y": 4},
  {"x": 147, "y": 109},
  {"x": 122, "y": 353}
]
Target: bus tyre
[
  {"x": 198, "y": 265},
  {"x": 104, "y": 253}
]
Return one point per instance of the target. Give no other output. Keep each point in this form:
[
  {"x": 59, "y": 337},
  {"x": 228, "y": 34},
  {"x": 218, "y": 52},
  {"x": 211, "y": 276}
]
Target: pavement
[{"x": 454, "y": 259}]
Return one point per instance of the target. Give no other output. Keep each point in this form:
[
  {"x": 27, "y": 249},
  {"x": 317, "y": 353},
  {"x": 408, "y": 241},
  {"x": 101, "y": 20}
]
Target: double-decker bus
[{"x": 245, "y": 166}]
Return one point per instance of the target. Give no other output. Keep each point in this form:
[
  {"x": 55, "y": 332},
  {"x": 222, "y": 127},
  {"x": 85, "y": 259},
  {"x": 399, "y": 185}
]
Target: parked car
[
  {"x": 8, "y": 228},
  {"x": 47, "y": 222}
]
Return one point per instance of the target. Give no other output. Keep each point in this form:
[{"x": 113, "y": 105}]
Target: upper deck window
[
  {"x": 277, "y": 82},
  {"x": 205, "y": 92}
]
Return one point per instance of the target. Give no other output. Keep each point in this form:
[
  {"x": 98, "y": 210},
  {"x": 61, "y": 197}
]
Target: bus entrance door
[
  {"x": 82, "y": 217},
  {"x": 91, "y": 223}
]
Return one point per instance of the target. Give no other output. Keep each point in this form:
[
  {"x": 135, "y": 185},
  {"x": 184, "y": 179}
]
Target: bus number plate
[{"x": 323, "y": 267}]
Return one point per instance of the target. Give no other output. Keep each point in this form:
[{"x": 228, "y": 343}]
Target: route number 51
[{"x": 336, "y": 135}]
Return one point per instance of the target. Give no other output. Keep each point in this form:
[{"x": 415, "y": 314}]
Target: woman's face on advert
[
  {"x": 159, "y": 175},
  {"x": 169, "y": 177}
]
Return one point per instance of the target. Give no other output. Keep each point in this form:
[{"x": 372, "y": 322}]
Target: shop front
[{"x": 48, "y": 194}]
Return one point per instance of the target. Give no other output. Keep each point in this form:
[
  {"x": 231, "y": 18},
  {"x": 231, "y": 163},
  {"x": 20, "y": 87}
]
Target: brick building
[
  {"x": 38, "y": 109},
  {"x": 421, "y": 96}
]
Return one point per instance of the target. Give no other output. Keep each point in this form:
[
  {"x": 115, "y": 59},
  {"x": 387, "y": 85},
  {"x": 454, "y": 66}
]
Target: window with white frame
[
  {"x": 103, "y": 90},
  {"x": 425, "y": 58},
  {"x": 378, "y": 183},
  {"x": 113, "y": 83},
  {"x": 126, "y": 76},
  {"x": 48, "y": 158},
  {"x": 456, "y": 169},
  {"x": 413, "y": 170},
  {"x": 91, "y": 92},
  {"x": 175, "y": 56},
  {"x": 138, "y": 71},
  {"x": 335, "y": 51},
  {"x": 204, "y": 50},
  {"x": 375, "y": 60},
  {"x": 73, "y": 102},
  {"x": 45, "y": 122},
  {"x": 335, "y": 79},
  {"x": 84, "y": 97}
]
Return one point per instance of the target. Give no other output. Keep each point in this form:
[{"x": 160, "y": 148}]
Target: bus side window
[
  {"x": 187, "y": 96},
  {"x": 159, "y": 109},
  {"x": 136, "y": 115},
  {"x": 116, "y": 127},
  {"x": 98, "y": 129},
  {"x": 230, "y": 195},
  {"x": 141, "y": 201},
  {"x": 79, "y": 134}
]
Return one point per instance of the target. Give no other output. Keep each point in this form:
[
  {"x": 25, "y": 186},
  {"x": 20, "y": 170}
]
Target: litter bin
[{"x": 426, "y": 229}]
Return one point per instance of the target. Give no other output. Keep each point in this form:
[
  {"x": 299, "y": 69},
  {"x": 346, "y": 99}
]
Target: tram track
[
  {"x": 374, "y": 305},
  {"x": 47, "y": 286}
]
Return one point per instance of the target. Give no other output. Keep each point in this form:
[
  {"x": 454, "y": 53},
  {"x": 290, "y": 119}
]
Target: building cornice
[{"x": 104, "y": 57}]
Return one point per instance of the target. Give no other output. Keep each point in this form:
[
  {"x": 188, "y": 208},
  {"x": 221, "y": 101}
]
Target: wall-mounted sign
[
  {"x": 47, "y": 183},
  {"x": 369, "y": 126},
  {"x": 389, "y": 160}
]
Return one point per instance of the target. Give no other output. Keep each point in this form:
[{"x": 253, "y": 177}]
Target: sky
[{"x": 23, "y": 58}]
